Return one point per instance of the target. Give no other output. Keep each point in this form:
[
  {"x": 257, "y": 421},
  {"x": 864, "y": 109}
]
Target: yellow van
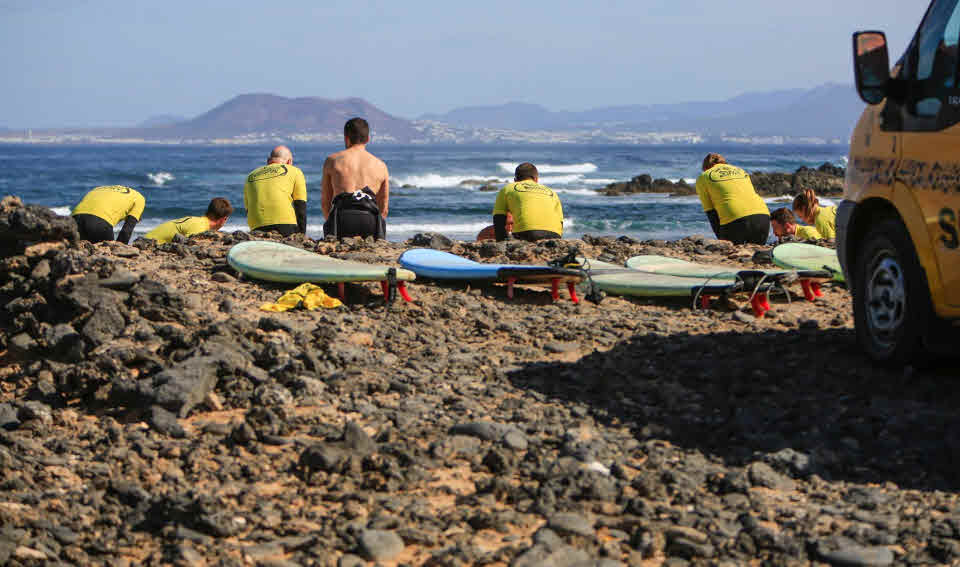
[{"x": 898, "y": 237}]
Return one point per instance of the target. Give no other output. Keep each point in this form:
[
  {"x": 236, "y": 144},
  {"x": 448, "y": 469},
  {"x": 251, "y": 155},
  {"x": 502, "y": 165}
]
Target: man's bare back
[{"x": 351, "y": 170}]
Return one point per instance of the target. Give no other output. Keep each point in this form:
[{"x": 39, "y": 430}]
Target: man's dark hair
[
  {"x": 357, "y": 131},
  {"x": 783, "y": 215},
  {"x": 525, "y": 170},
  {"x": 219, "y": 208}
]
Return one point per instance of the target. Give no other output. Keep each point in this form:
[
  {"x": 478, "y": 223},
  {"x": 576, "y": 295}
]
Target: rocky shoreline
[
  {"x": 150, "y": 413},
  {"x": 826, "y": 180}
]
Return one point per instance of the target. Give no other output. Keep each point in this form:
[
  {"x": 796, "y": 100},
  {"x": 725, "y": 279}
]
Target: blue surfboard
[{"x": 438, "y": 265}]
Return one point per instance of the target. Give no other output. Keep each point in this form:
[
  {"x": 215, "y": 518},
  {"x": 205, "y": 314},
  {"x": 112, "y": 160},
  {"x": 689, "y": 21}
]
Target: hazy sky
[{"x": 117, "y": 62}]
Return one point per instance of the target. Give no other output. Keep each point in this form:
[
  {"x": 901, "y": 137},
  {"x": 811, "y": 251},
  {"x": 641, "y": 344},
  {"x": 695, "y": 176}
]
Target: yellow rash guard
[
  {"x": 729, "y": 191},
  {"x": 269, "y": 193},
  {"x": 534, "y": 206},
  {"x": 112, "y": 203},
  {"x": 807, "y": 233},
  {"x": 187, "y": 226},
  {"x": 826, "y": 222}
]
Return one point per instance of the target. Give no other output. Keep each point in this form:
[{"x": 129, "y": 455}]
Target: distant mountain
[
  {"x": 162, "y": 120},
  {"x": 825, "y": 111},
  {"x": 260, "y": 113},
  {"x": 512, "y": 115}
]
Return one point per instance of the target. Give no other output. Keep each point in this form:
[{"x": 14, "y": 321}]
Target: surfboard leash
[{"x": 569, "y": 261}]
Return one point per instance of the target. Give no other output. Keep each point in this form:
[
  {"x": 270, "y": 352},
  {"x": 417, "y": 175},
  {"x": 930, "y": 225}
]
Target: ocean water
[{"x": 433, "y": 188}]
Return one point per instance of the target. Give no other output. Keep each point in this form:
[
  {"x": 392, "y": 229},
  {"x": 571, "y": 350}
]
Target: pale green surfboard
[
  {"x": 626, "y": 281},
  {"x": 275, "y": 262},
  {"x": 676, "y": 267},
  {"x": 799, "y": 256}
]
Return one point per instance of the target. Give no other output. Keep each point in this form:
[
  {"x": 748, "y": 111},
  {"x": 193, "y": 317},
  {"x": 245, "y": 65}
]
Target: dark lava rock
[
  {"x": 21, "y": 225},
  {"x": 431, "y": 240},
  {"x": 357, "y": 440},
  {"x": 569, "y": 523},
  {"x": 761, "y": 474},
  {"x": 846, "y": 552},
  {"x": 165, "y": 422},
  {"x": 8, "y": 417},
  {"x": 380, "y": 545},
  {"x": 182, "y": 387}
]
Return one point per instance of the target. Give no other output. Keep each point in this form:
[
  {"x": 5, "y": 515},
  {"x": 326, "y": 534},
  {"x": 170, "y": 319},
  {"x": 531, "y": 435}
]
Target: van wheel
[{"x": 891, "y": 303}]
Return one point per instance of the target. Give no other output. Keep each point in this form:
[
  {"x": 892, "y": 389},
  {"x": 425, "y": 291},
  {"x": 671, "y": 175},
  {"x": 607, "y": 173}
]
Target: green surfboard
[
  {"x": 676, "y": 267},
  {"x": 626, "y": 281},
  {"x": 275, "y": 262},
  {"x": 799, "y": 256}
]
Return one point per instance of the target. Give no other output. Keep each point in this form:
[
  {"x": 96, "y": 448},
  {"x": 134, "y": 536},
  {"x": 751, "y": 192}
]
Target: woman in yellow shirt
[
  {"x": 824, "y": 219},
  {"x": 735, "y": 211}
]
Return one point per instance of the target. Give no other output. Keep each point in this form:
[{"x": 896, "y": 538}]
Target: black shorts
[
  {"x": 534, "y": 235},
  {"x": 752, "y": 229},
  {"x": 283, "y": 229},
  {"x": 93, "y": 228},
  {"x": 355, "y": 222}
]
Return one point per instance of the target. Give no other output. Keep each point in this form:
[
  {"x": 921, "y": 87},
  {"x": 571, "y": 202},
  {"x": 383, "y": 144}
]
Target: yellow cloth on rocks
[{"x": 307, "y": 296}]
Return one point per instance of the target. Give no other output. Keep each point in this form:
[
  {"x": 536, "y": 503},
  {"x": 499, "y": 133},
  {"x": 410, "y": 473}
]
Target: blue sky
[{"x": 105, "y": 62}]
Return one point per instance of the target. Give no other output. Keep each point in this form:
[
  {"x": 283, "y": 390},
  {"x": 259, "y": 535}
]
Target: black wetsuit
[
  {"x": 751, "y": 229},
  {"x": 93, "y": 228},
  {"x": 355, "y": 214},
  {"x": 534, "y": 235},
  {"x": 283, "y": 229}
]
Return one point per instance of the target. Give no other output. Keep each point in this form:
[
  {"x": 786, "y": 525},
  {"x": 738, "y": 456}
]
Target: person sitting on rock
[
  {"x": 218, "y": 211},
  {"x": 355, "y": 187},
  {"x": 735, "y": 211},
  {"x": 489, "y": 233},
  {"x": 807, "y": 207},
  {"x": 785, "y": 225},
  {"x": 275, "y": 195},
  {"x": 105, "y": 206},
  {"x": 535, "y": 208}
]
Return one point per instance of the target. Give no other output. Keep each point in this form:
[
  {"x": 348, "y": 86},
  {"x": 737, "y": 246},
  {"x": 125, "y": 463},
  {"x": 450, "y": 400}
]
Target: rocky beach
[{"x": 151, "y": 413}]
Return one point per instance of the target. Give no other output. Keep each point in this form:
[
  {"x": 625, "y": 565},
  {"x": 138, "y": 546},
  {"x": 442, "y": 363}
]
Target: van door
[{"x": 929, "y": 118}]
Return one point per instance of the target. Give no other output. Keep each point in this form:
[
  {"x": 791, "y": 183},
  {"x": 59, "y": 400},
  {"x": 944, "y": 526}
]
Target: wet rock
[{"x": 380, "y": 545}]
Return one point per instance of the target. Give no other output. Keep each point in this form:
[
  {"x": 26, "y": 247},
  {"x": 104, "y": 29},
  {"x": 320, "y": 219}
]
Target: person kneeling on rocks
[
  {"x": 536, "y": 208},
  {"x": 105, "y": 206},
  {"x": 785, "y": 225},
  {"x": 218, "y": 211},
  {"x": 807, "y": 207},
  {"x": 735, "y": 211}
]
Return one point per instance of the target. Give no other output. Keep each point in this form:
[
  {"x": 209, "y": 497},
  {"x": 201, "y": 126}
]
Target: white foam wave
[
  {"x": 561, "y": 179},
  {"x": 433, "y": 180},
  {"x": 160, "y": 177},
  {"x": 590, "y": 192},
  {"x": 63, "y": 211},
  {"x": 442, "y": 228},
  {"x": 588, "y": 167},
  {"x": 688, "y": 180}
]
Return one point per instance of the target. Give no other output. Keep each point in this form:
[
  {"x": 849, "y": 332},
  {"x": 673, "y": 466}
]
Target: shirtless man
[{"x": 356, "y": 187}]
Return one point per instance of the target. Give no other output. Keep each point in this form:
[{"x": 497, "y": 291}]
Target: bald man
[
  {"x": 275, "y": 195},
  {"x": 355, "y": 187}
]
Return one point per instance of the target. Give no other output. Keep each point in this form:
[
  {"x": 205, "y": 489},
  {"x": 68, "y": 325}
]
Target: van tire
[{"x": 891, "y": 301}]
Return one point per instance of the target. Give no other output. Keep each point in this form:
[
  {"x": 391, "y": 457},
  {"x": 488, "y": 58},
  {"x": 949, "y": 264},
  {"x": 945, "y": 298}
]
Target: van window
[{"x": 935, "y": 59}]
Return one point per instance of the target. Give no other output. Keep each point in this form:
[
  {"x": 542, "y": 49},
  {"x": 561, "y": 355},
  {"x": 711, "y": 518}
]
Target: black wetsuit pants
[
  {"x": 751, "y": 229},
  {"x": 284, "y": 229},
  {"x": 93, "y": 228},
  {"x": 355, "y": 222},
  {"x": 534, "y": 235}
]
